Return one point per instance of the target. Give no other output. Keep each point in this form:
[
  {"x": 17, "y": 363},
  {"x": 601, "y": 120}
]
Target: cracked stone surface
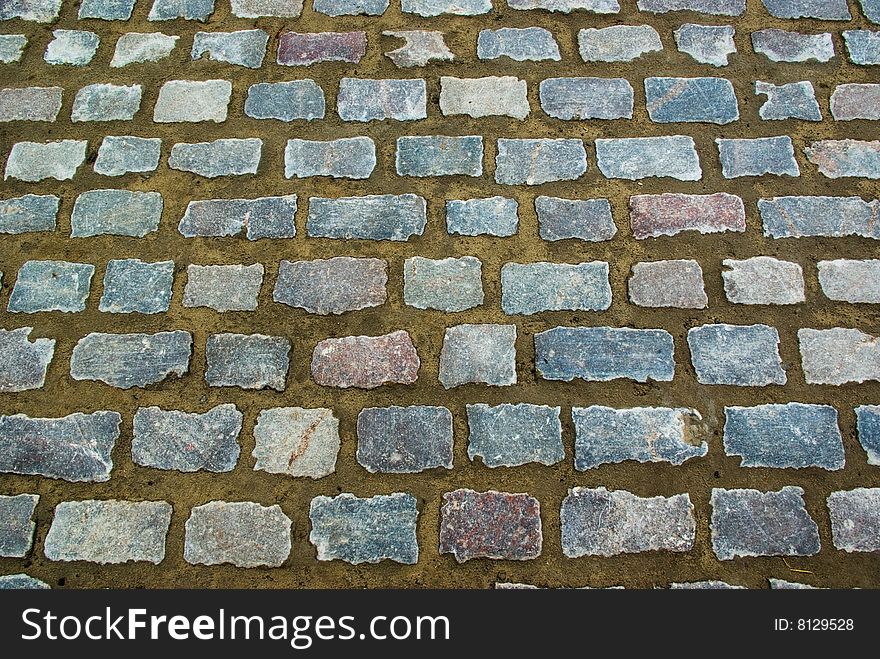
[
  {"x": 243, "y": 533},
  {"x": 131, "y": 360},
  {"x": 296, "y": 441},
  {"x": 263, "y": 217},
  {"x": 705, "y": 100}
]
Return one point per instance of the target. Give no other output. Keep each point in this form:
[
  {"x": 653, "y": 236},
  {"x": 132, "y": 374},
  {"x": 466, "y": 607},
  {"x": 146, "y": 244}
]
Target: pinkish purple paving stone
[
  {"x": 483, "y": 354},
  {"x": 295, "y": 49},
  {"x": 23, "y": 363},
  {"x": 845, "y": 158},
  {"x": 332, "y": 286},
  {"x": 366, "y": 362},
  {"x": 670, "y": 213},
  {"x": 496, "y": 525},
  {"x": 242, "y": 533},
  {"x": 856, "y": 101},
  {"x": 404, "y": 440},
  {"x": 855, "y": 519},
  {"x": 30, "y": 103},
  {"x": 784, "y": 46}
]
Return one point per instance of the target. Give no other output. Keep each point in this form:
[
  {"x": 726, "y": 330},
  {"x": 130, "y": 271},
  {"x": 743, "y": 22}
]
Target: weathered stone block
[
  {"x": 21, "y": 581},
  {"x": 223, "y": 157},
  {"x": 191, "y": 10},
  {"x": 16, "y": 527},
  {"x": 430, "y": 8},
  {"x": 763, "y": 280},
  {"x": 105, "y": 102},
  {"x": 519, "y": 44},
  {"x": 677, "y": 284},
  {"x": 11, "y": 47},
  {"x": 856, "y": 101},
  {"x": 28, "y": 213},
  {"x": 703, "y": 100},
  {"x": 635, "y": 158},
  {"x": 296, "y": 441},
  {"x": 707, "y": 44},
  {"x": 482, "y": 354},
  {"x": 295, "y": 49},
  {"x": 586, "y": 98},
  {"x": 513, "y": 435},
  {"x": 30, "y": 103},
  {"x": 448, "y": 285},
  {"x": 668, "y": 214},
  {"x": 72, "y": 47},
  {"x": 243, "y": 533},
  {"x": 484, "y": 97},
  {"x": 851, "y": 281},
  {"x": 362, "y": 99},
  {"x": 261, "y": 8},
  {"x": 51, "y": 286},
  {"x": 532, "y": 288},
  {"x": 373, "y": 217},
  {"x": 134, "y": 286},
  {"x": 855, "y": 519},
  {"x": 567, "y": 6},
  {"x": 834, "y": 217},
  {"x": 285, "y": 101},
  {"x": 537, "y": 161},
  {"x": 131, "y": 360},
  {"x": 705, "y": 585},
  {"x": 714, "y": 7},
  {"x": 826, "y": 10},
  {"x": 618, "y": 43},
  {"x": 39, "y": 11},
  {"x": 347, "y": 157},
  {"x": 116, "y": 212},
  {"x": 193, "y": 101},
  {"x": 780, "y": 584},
  {"x": 137, "y": 47},
  {"x": 582, "y": 219},
  {"x": 123, "y": 154},
  {"x": 420, "y": 47},
  {"x": 784, "y": 46},
  {"x": 863, "y": 46},
  {"x": 795, "y": 100},
  {"x": 245, "y": 47},
  {"x": 756, "y": 157},
  {"x": 845, "y": 158},
  {"x": 366, "y": 362},
  {"x": 439, "y": 155},
  {"x": 494, "y": 216},
  {"x": 263, "y": 217},
  {"x": 871, "y": 9},
  {"x": 223, "y": 287},
  {"x": 107, "y": 10},
  {"x": 351, "y": 7},
  {"x": 35, "y": 161},
  {"x": 839, "y": 355},
  {"x": 404, "y": 440},
  {"x": 23, "y": 363},
  {"x": 332, "y": 286},
  {"x": 868, "y": 417},
  {"x": 740, "y": 355},
  {"x": 249, "y": 361}
]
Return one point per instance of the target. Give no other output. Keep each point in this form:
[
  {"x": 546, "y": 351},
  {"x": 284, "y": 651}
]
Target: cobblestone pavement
[{"x": 450, "y": 293}]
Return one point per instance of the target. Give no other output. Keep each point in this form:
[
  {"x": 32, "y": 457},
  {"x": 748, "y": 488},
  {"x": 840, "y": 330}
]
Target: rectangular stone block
[
  {"x": 586, "y": 98},
  {"x": 295, "y": 49},
  {"x": 11, "y": 47},
  {"x": 839, "y": 355},
  {"x": 22, "y": 581},
  {"x": 242, "y": 533},
  {"x": 513, "y": 435},
  {"x": 347, "y": 157},
  {"x": 351, "y": 7},
  {"x": 833, "y": 217},
  {"x": 123, "y": 154},
  {"x": 537, "y": 161},
  {"x": 261, "y": 8},
  {"x": 713, "y": 7},
  {"x": 633, "y": 158},
  {"x": 296, "y": 441},
  {"x": 480, "y": 354},
  {"x": 106, "y": 10},
  {"x": 51, "y": 286},
  {"x": 863, "y": 46},
  {"x": 244, "y": 47},
  {"x": 618, "y": 43},
  {"x": 193, "y": 101},
  {"x": 420, "y": 47},
  {"x": 137, "y": 47},
  {"x": 757, "y": 157},
  {"x": 677, "y": 284},
  {"x": 332, "y": 286},
  {"x": 785, "y": 46},
  {"x": 362, "y": 99},
  {"x": 845, "y": 158},
  {"x": 366, "y": 362},
  {"x": 223, "y": 157},
  {"x": 689, "y": 100},
  {"x": 707, "y": 44},
  {"x": 72, "y": 47},
  {"x": 530, "y": 288},
  {"x": 532, "y": 44},
  {"x": 28, "y": 213},
  {"x": 439, "y": 155},
  {"x": 668, "y": 214},
  {"x": 763, "y": 280},
  {"x": 855, "y": 519},
  {"x": 484, "y": 97},
  {"x": 871, "y": 9},
  {"x": 23, "y": 363},
  {"x": 404, "y": 440},
  {"x": 116, "y": 213},
  {"x": 249, "y": 361},
  {"x": 372, "y": 217},
  {"x": 581, "y": 219},
  {"x": 134, "y": 286},
  {"x": 33, "y": 161},
  {"x": 740, "y": 355},
  {"x": 567, "y": 6},
  {"x": 39, "y": 11},
  {"x": 103, "y": 102},
  {"x": 853, "y": 101},
  {"x": 826, "y": 10},
  {"x": 191, "y": 10},
  {"x": 223, "y": 287},
  {"x": 30, "y": 103},
  {"x": 795, "y": 100},
  {"x": 850, "y": 280},
  {"x": 263, "y": 217},
  {"x": 285, "y": 101},
  {"x": 446, "y": 285},
  {"x": 494, "y": 216},
  {"x": 131, "y": 360},
  {"x": 430, "y": 8},
  {"x": 16, "y": 526}
]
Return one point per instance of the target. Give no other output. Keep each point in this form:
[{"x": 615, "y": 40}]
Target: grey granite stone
[
  {"x": 798, "y": 217},
  {"x": 371, "y": 530},
  {"x": 261, "y": 8},
  {"x": 703, "y": 100},
  {"x": 135, "y": 286},
  {"x": 249, "y": 361},
  {"x": 420, "y": 48},
  {"x": 513, "y": 435},
  {"x": 223, "y": 157},
  {"x": 845, "y": 158},
  {"x": 169, "y": 439},
  {"x": 519, "y": 44},
  {"x": 35, "y": 161},
  {"x": 450, "y": 285},
  {"x": 707, "y": 44},
  {"x": 347, "y": 157},
  {"x": 795, "y": 100},
  {"x": 296, "y": 441},
  {"x": 51, "y": 286},
  {"x": 537, "y": 161},
  {"x": 598, "y": 522},
  {"x": 332, "y": 286},
  {"x": 73, "y": 47},
  {"x": 21, "y": 581},
  {"x": 853, "y": 281},
  {"x": 586, "y": 98},
  {"x": 714, "y": 7},
  {"x": 855, "y": 519},
  {"x": 16, "y": 527},
  {"x": 604, "y": 435},
  {"x": 23, "y": 363},
  {"x": 863, "y": 46},
  {"x": 192, "y": 101},
  {"x": 853, "y": 101},
  {"x": 372, "y": 217},
  {"x": 756, "y": 157},
  {"x": 138, "y": 47},
  {"x": 116, "y": 212},
  {"x": 839, "y": 355},
  {"x": 794, "y": 435},
  {"x": 752, "y": 523},
  {"x": 430, "y": 8},
  {"x": 780, "y": 584},
  {"x": 245, "y": 47},
  {"x": 439, "y": 155},
  {"x": 107, "y": 10},
  {"x": 223, "y": 287},
  {"x": 740, "y": 355},
  {"x": 677, "y": 284},
  {"x": 582, "y": 219},
  {"x": 28, "y": 213},
  {"x": 11, "y": 47},
  {"x": 263, "y": 217},
  {"x": 108, "y": 531},
  {"x": 494, "y": 216},
  {"x": 362, "y": 99},
  {"x": 705, "y": 585},
  {"x": 191, "y": 10},
  {"x": 567, "y": 6},
  {"x": 618, "y": 43},
  {"x": 74, "y": 448},
  {"x": 763, "y": 280},
  {"x": 532, "y": 288},
  {"x": 871, "y": 9},
  {"x": 104, "y": 102},
  {"x": 482, "y": 354},
  {"x": 366, "y": 362},
  {"x": 635, "y": 158},
  {"x": 784, "y": 46},
  {"x": 131, "y": 360},
  {"x": 39, "y": 11},
  {"x": 30, "y": 103},
  {"x": 404, "y": 440},
  {"x": 120, "y": 155},
  {"x": 243, "y": 533},
  {"x": 351, "y": 7},
  {"x": 604, "y": 353},
  {"x": 285, "y": 101},
  {"x": 484, "y": 97},
  {"x": 826, "y": 10}
]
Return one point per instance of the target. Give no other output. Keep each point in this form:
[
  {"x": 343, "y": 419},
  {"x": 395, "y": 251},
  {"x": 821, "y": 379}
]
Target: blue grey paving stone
[
  {"x": 105, "y": 102},
  {"x": 122, "y": 154},
  {"x": 347, "y": 157},
  {"x": 450, "y": 285},
  {"x": 11, "y": 47},
  {"x": 30, "y": 103},
  {"x": 245, "y": 47},
  {"x": 243, "y": 533},
  {"x": 74, "y": 448},
  {"x": 856, "y": 101},
  {"x": 756, "y": 157},
  {"x": 853, "y": 281},
  {"x": 131, "y": 360},
  {"x": 795, "y": 100},
  {"x": 494, "y": 216},
  {"x": 16, "y": 527},
  {"x": 362, "y": 99},
  {"x": 530, "y": 288},
  {"x": 519, "y": 44},
  {"x": 51, "y": 286},
  {"x": 420, "y": 47},
  {"x": 604, "y": 353},
  {"x": 35, "y": 161},
  {"x": 863, "y": 46},
  {"x": 440, "y": 155},
  {"x": 74, "y": 47},
  {"x": 108, "y": 531},
  {"x": 134, "y": 286},
  {"x": 618, "y": 43},
  {"x": 714, "y": 7},
  {"x": 828, "y": 10},
  {"x": 855, "y": 519},
  {"x": 296, "y": 441},
  {"x": 784, "y": 46},
  {"x": 193, "y": 10},
  {"x": 703, "y": 100},
  {"x": 108, "y": 10},
  {"x": 780, "y": 584},
  {"x": 356, "y": 530},
  {"x": 604, "y": 435},
  {"x": 404, "y": 440},
  {"x": 835, "y": 217},
  {"x": 372, "y": 217},
  {"x": 30, "y": 212},
  {"x": 21, "y": 582},
  {"x": 116, "y": 212},
  {"x": 635, "y": 158},
  {"x": 249, "y": 361},
  {"x": 598, "y": 522},
  {"x": 583, "y": 219},
  {"x": 513, "y": 435},
  {"x": 137, "y": 47},
  {"x": 332, "y": 286},
  {"x": 484, "y": 97},
  {"x": 260, "y": 8},
  {"x": 567, "y": 6},
  {"x": 839, "y": 355},
  {"x": 192, "y": 101},
  {"x": 23, "y": 363},
  {"x": 285, "y": 101},
  {"x": 845, "y": 158},
  {"x": 586, "y": 98},
  {"x": 39, "y": 11},
  {"x": 668, "y": 214},
  {"x": 537, "y": 161},
  {"x": 677, "y": 284},
  {"x": 751, "y": 523},
  {"x": 430, "y": 8},
  {"x": 871, "y": 9},
  {"x": 366, "y": 362},
  {"x": 794, "y": 435},
  {"x": 223, "y": 287},
  {"x": 263, "y": 217},
  {"x": 705, "y": 585},
  {"x": 740, "y": 355},
  {"x": 223, "y": 157},
  {"x": 169, "y": 439},
  {"x": 481, "y": 354},
  {"x": 707, "y": 44},
  {"x": 763, "y": 280},
  {"x": 351, "y": 7}
]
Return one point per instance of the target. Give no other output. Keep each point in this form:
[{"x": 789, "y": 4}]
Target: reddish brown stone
[
  {"x": 669, "y": 214},
  {"x": 366, "y": 361},
  {"x": 490, "y": 525},
  {"x": 295, "y": 49}
]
